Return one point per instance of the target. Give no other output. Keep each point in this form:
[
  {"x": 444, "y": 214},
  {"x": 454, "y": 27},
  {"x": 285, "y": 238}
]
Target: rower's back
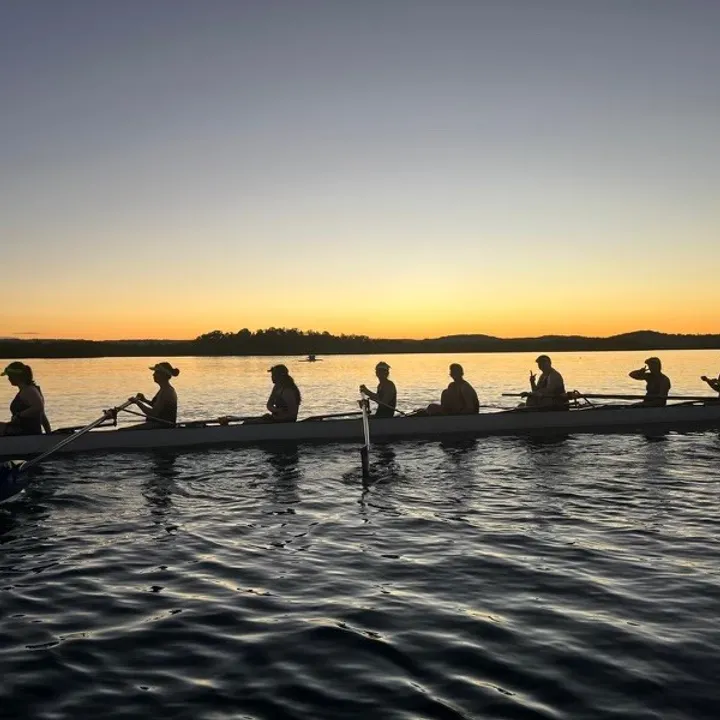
[
  {"x": 657, "y": 386},
  {"x": 387, "y": 395},
  {"x": 165, "y": 405}
]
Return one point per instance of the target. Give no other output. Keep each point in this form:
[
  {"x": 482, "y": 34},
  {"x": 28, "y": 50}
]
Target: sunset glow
[{"x": 409, "y": 171}]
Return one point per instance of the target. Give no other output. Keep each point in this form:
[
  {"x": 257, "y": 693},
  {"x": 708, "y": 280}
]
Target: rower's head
[
  {"x": 18, "y": 373},
  {"x": 382, "y": 370},
  {"x": 456, "y": 371},
  {"x": 653, "y": 364},
  {"x": 543, "y": 362},
  {"x": 163, "y": 371},
  {"x": 279, "y": 373}
]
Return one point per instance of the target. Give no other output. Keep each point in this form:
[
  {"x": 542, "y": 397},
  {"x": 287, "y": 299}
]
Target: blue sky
[{"x": 401, "y": 168}]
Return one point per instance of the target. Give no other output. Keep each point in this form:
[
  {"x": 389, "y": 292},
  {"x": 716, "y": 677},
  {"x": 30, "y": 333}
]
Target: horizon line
[{"x": 358, "y": 335}]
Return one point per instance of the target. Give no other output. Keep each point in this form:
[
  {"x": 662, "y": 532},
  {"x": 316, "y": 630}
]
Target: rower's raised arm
[{"x": 638, "y": 374}]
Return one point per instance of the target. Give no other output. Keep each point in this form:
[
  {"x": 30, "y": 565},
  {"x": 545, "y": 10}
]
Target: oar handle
[
  {"x": 150, "y": 417},
  {"x": 389, "y": 407}
]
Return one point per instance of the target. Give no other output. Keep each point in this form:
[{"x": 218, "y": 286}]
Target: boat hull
[{"x": 591, "y": 420}]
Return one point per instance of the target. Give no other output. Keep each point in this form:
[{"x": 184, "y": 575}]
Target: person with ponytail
[
  {"x": 161, "y": 411},
  {"x": 28, "y": 406},
  {"x": 284, "y": 401}
]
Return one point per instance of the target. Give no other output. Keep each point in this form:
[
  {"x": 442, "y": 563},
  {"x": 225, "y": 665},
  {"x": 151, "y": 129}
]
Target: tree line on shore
[{"x": 284, "y": 341}]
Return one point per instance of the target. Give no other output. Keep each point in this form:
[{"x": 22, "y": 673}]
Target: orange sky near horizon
[
  {"x": 405, "y": 315},
  {"x": 387, "y": 169}
]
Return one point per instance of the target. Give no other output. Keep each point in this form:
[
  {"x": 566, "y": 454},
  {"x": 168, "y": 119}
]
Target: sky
[{"x": 395, "y": 168}]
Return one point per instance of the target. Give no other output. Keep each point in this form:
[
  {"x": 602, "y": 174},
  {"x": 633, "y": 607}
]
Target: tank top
[
  {"x": 168, "y": 407},
  {"x": 25, "y": 425},
  {"x": 387, "y": 394}
]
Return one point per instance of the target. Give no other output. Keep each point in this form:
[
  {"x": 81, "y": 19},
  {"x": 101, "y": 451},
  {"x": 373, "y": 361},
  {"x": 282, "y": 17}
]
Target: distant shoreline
[{"x": 294, "y": 342}]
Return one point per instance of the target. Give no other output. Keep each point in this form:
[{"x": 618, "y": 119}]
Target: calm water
[{"x": 501, "y": 578}]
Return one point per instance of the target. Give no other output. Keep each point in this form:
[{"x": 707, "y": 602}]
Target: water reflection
[
  {"x": 8, "y": 523},
  {"x": 159, "y": 487},
  {"x": 458, "y": 448},
  {"x": 384, "y": 459},
  {"x": 284, "y": 459}
]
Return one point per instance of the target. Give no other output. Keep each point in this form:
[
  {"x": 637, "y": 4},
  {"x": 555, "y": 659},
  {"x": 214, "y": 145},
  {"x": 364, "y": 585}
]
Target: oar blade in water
[{"x": 12, "y": 481}]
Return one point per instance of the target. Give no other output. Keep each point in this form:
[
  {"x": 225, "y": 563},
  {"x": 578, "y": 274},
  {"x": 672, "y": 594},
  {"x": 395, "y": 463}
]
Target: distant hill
[{"x": 281, "y": 341}]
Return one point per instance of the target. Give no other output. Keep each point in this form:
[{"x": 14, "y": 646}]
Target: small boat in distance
[{"x": 312, "y": 358}]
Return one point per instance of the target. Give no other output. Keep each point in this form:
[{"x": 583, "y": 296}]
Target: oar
[
  {"x": 10, "y": 472},
  {"x": 389, "y": 407},
  {"x": 365, "y": 449},
  {"x": 150, "y": 417},
  {"x": 669, "y": 398},
  {"x": 602, "y": 396},
  {"x": 105, "y": 416},
  {"x": 332, "y": 415},
  {"x": 75, "y": 428},
  {"x": 226, "y": 420}
]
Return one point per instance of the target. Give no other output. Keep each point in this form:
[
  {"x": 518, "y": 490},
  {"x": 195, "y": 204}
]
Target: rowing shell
[{"x": 513, "y": 422}]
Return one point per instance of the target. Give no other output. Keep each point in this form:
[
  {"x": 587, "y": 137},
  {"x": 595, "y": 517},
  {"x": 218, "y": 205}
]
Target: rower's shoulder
[{"x": 30, "y": 389}]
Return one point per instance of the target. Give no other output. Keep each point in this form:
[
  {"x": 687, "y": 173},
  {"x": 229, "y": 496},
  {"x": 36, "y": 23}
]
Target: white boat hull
[{"x": 590, "y": 420}]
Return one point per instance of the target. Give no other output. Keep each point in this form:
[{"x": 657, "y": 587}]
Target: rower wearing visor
[
  {"x": 161, "y": 411},
  {"x": 27, "y": 408},
  {"x": 386, "y": 395}
]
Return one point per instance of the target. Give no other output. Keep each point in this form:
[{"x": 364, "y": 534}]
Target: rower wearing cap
[
  {"x": 161, "y": 411},
  {"x": 27, "y": 408},
  {"x": 284, "y": 402},
  {"x": 547, "y": 391},
  {"x": 386, "y": 395},
  {"x": 657, "y": 384}
]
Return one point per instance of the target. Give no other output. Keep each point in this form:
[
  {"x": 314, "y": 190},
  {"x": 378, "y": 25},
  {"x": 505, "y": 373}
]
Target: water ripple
[{"x": 500, "y": 578}]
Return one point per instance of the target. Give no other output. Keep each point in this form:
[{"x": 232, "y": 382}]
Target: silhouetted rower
[
  {"x": 386, "y": 395},
  {"x": 547, "y": 391},
  {"x": 27, "y": 408},
  {"x": 657, "y": 384},
  {"x": 712, "y": 382},
  {"x": 459, "y": 398},
  {"x": 284, "y": 402},
  {"x": 161, "y": 411}
]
